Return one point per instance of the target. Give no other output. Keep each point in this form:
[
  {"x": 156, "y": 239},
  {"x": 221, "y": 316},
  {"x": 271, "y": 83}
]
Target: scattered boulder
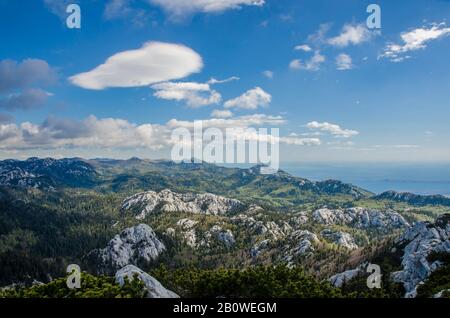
[
  {"x": 258, "y": 248},
  {"x": 300, "y": 219},
  {"x": 340, "y": 238},
  {"x": 187, "y": 224},
  {"x": 299, "y": 243},
  {"x": 442, "y": 294},
  {"x": 340, "y": 279},
  {"x": 153, "y": 287},
  {"x": 224, "y": 236}
]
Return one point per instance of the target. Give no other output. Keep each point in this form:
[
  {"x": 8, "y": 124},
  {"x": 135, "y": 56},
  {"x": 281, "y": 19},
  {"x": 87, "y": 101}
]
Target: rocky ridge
[
  {"x": 360, "y": 218},
  {"x": 422, "y": 239},
  {"x": 167, "y": 201}
]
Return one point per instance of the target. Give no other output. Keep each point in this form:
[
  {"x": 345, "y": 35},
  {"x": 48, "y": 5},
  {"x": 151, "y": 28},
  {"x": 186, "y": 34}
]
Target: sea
[{"x": 418, "y": 178}]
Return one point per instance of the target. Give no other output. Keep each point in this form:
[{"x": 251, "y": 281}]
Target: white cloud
[
  {"x": 341, "y": 143},
  {"x": 244, "y": 125},
  {"x": 313, "y": 64},
  {"x": 90, "y": 132},
  {"x": 195, "y": 94},
  {"x": 414, "y": 40},
  {"x": 303, "y": 47},
  {"x": 318, "y": 38},
  {"x": 295, "y": 64},
  {"x": 216, "y": 81},
  {"x": 401, "y": 146},
  {"x": 333, "y": 129},
  {"x": 251, "y": 99},
  {"x": 406, "y": 146},
  {"x": 154, "y": 62},
  {"x": 300, "y": 141},
  {"x": 351, "y": 34},
  {"x": 268, "y": 74},
  {"x": 58, "y": 7},
  {"x": 122, "y": 9},
  {"x": 180, "y": 8},
  {"x": 218, "y": 113},
  {"x": 343, "y": 62},
  {"x": 119, "y": 134},
  {"x": 238, "y": 122}
]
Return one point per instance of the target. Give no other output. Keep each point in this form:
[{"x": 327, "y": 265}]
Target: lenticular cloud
[{"x": 154, "y": 62}]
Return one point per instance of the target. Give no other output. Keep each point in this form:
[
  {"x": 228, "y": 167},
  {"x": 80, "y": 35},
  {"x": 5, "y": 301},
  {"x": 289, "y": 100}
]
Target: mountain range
[{"x": 109, "y": 214}]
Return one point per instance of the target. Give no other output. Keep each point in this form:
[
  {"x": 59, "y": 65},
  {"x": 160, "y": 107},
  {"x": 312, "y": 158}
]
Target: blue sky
[{"x": 337, "y": 90}]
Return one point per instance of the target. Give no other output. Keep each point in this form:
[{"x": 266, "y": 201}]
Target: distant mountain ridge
[
  {"x": 76, "y": 172},
  {"x": 138, "y": 175},
  {"x": 47, "y": 173},
  {"x": 414, "y": 199}
]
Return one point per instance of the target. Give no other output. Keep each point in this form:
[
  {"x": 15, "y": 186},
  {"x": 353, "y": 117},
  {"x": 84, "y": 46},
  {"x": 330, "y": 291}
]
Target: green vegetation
[
  {"x": 268, "y": 282},
  {"x": 91, "y": 287},
  {"x": 254, "y": 282},
  {"x": 42, "y": 230},
  {"x": 439, "y": 280}
]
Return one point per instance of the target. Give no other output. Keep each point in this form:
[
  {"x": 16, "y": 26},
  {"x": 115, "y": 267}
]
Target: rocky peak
[{"x": 134, "y": 244}]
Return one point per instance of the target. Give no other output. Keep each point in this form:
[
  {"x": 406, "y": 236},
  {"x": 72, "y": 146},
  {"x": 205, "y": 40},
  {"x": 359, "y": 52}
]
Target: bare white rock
[
  {"x": 441, "y": 293},
  {"x": 259, "y": 247},
  {"x": 152, "y": 286},
  {"x": 360, "y": 218},
  {"x": 340, "y": 279},
  {"x": 422, "y": 239},
  {"x": 224, "y": 236},
  {"x": 300, "y": 219},
  {"x": 131, "y": 245},
  {"x": 299, "y": 243},
  {"x": 257, "y": 227},
  {"x": 167, "y": 201},
  {"x": 186, "y": 224},
  {"x": 340, "y": 238}
]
